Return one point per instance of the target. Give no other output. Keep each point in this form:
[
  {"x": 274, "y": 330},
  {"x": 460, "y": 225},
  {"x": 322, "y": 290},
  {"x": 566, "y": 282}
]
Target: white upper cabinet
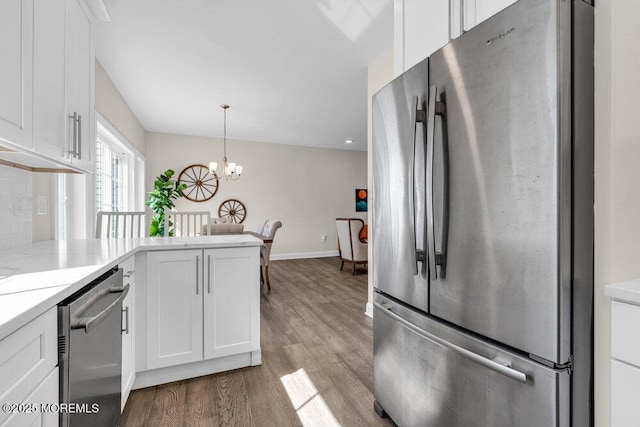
[
  {"x": 423, "y": 26},
  {"x": 49, "y": 79},
  {"x": 46, "y": 80},
  {"x": 420, "y": 28},
  {"x": 16, "y": 29},
  {"x": 476, "y": 11},
  {"x": 79, "y": 80}
]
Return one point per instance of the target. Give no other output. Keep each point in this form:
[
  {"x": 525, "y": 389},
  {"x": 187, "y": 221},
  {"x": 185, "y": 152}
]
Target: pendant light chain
[{"x": 225, "y": 133}]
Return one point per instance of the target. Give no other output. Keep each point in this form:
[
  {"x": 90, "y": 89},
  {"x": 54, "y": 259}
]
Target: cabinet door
[
  {"x": 231, "y": 301},
  {"x": 421, "y": 28},
  {"x": 128, "y": 340},
  {"x": 16, "y": 51},
  {"x": 625, "y": 394},
  {"x": 476, "y": 11},
  {"x": 49, "y": 114},
  {"x": 79, "y": 80},
  {"x": 44, "y": 396},
  {"x": 174, "y": 307}
]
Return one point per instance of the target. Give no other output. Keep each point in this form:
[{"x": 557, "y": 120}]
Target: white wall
[
  {"x": 379, "y": 73},
  {"x": 306, "y": 188},
  {"x": 113, "y": 107},
  {"x": 617, "y": 203}
]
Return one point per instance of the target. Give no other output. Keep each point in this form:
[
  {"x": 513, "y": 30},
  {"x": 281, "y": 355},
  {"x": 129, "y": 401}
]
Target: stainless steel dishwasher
[{"x": 90, "y": 352}]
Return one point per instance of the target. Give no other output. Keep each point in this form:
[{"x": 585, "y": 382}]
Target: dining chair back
[
  {"x": 120, "y": 224},
  {"x": 267, "y": 232},
  {"x": 186, "y": 223}
]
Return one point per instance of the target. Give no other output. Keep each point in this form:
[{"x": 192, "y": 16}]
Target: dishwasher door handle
[{"x": 88, "y": 323}]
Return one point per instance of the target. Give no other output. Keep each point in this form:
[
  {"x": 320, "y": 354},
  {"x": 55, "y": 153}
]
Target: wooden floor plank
[{"x": 317, "y": 361}]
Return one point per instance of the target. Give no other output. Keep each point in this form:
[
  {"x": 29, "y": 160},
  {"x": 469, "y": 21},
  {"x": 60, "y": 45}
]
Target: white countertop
[
  {"x": 36, "y": 277},
  {"x": 628, "y": 291}
]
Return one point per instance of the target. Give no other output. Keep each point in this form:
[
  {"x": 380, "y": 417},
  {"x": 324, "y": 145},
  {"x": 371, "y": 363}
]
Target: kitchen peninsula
[{"x": 193, "y": 306}]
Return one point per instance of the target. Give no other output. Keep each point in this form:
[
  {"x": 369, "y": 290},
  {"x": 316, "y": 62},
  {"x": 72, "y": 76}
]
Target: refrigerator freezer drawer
[{"x": 426, "y": 373}]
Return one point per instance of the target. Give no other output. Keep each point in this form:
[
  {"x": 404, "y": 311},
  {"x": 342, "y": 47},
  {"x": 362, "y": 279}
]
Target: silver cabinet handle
[
  {"x": 197, "y": 271},
  {"x": 474, "y": 357},
  {"x": 79, "y": 137},
  {"x": 209, "y": 273},
  {"x": 74, "y": 148},
  {"x": 125, "y": 310}
]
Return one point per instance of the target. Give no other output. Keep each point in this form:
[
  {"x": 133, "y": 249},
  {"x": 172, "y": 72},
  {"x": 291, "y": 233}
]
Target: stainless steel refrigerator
[{"x": 482, "y": 226}]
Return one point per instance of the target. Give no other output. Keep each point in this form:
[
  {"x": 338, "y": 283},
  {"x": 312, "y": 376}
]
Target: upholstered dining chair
[
  {"x": 120, "y": 224},
  {"x": 352, "y": 249},
  {"x": 222, "y": 226},
  {"x": 267, "y": 232}
]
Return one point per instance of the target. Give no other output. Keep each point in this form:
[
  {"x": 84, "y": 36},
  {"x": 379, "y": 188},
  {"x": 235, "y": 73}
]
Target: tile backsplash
[{"x": 16, "y": 207}]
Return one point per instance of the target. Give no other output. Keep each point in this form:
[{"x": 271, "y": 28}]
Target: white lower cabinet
[
  {"x": 174, "y": 307},
  {"x": 128, "y": 331},
  {"x": 625, "y": 364},
  {"x": 231, "y": 302},
  {"x": 201, "y": 304},
  {"x": 35, "y": 409},
  {"x": 625, "y": 394},
  {"x": 28, "y": 359}
]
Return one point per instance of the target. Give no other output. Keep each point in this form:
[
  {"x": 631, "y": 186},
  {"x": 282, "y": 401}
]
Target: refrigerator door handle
[
  {"x": 496, "y": 365},
  {"x": 417, "y": 116},
  {"x": 435, "y": 258}
]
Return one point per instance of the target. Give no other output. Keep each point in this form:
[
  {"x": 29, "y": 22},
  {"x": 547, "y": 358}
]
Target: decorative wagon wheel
[
  {"x": 201, "y": 184},
  {"x": 233, "y": 209}
]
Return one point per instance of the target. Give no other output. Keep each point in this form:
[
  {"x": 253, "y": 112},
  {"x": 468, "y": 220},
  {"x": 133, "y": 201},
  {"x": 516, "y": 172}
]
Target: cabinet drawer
[
  {"x": 128, "y": 266},
  {"x": 26, "y": 358},
  {"x": 625, "y": 395},
  {"x": 625, "y": 332},
  {"x": 36, "y": 411}
]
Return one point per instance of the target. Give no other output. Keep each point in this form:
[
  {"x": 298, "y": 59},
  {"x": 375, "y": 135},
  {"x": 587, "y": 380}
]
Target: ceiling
[{"x": 293, "y": 71}]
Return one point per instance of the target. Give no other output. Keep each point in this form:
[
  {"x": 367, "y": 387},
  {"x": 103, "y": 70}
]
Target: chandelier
[{"x": 231, "y": 171}]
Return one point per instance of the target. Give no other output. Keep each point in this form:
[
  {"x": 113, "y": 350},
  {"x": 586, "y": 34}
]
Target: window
[
  {"x": 119, "y": 174},
  {"x": 111, "y": 174}
]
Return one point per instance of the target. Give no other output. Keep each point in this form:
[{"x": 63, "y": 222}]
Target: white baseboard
[
  {"x": 300, "y": 255},
  {"x": 369, "y": 310},
  {"x": 196, "y": 369}
]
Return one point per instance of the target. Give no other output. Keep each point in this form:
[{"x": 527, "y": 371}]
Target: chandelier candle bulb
[{"x": 213, "y": 166}]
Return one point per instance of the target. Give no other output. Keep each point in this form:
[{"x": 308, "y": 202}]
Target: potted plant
[{"x": 165, "y": 191}]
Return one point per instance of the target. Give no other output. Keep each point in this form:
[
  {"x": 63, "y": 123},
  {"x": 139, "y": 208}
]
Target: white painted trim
[
  {"x": 115, "y": 133},
  {"x": 196, "y": 369},
  {"x": 369, "y": 309},
  {"x": 300, "y": 255}
]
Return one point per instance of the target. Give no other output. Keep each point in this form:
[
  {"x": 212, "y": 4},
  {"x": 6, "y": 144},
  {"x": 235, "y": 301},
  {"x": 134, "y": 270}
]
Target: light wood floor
[{"x": 316, "y": 353}]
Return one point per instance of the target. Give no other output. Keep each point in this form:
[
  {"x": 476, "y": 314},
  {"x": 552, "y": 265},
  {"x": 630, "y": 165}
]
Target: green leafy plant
[{"x": 165, "y": 191}]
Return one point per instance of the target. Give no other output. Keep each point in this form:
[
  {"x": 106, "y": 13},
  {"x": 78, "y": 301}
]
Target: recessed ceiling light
[{"x": 348, "y": 141}]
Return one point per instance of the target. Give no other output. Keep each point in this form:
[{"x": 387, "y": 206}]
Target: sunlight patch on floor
[{"x": 308, "y": 403}]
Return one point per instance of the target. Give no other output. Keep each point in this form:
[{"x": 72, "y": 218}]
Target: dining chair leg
[
  {"x": 266, "y": 276},
  {"x": 353, "y": 269},
  {"x": 341, "y": 265},
  {"x": 261, "y": 276}
]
